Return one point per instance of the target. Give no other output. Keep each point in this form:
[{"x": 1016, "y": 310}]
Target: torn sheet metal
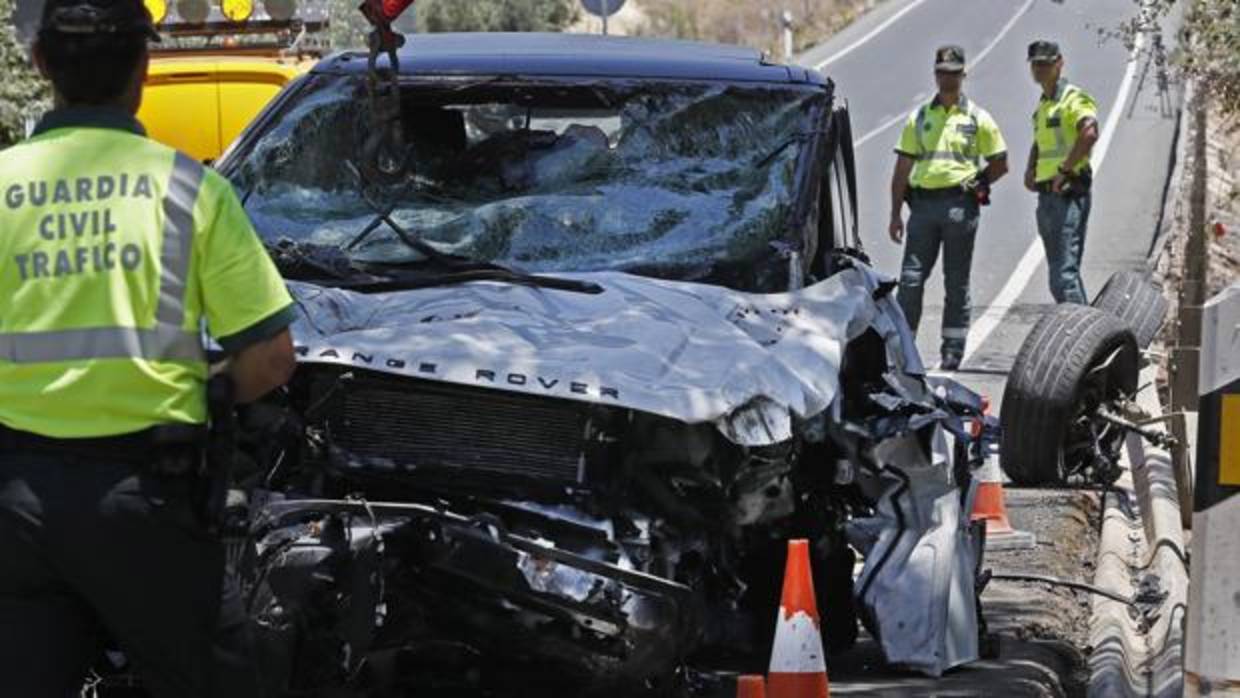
[
  {"x": 917, "y": 588},
  {"x": 691, "y": 352},
  {"x": 758, "y": 367},
  {"x": 477, "y": 584}
]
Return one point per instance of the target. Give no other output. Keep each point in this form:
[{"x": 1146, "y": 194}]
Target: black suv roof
[{"x": 578, "y": 55}]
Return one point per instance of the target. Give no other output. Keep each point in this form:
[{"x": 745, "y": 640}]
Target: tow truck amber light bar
[{"x": 174, "y": 16}]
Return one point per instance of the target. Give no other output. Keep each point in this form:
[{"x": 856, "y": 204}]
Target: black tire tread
[
  {"x": 1043, "y": 385},
  {"x": 1137, "y": 302}
]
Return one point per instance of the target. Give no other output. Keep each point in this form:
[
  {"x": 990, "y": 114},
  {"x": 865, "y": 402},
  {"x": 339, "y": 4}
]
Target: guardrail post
[
  {"x": 1185, "y": 355},
  {"x": 1182, "y": 466}
]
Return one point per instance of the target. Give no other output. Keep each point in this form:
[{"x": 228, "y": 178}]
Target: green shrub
[
  {"x": 1208, "y": 49},
  {"x": 23, "y": 94},
  {"x": 496, "y": 15}
]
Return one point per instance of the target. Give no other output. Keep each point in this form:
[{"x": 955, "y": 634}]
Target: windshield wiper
[
  {"x": 304, "y": 261},
  {"x": 460, "y": 269},
  {"x": 463, "y": 276},
  {"x": 327, "y": 265},
  {"x": 775, "y": 152},
  {"x": 411, "y": 241},
  {"x": 383, "y": 214}
]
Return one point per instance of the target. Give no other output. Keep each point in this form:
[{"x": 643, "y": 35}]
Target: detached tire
[
  {"x": 1137, "y": 302},
  {"x": 1054, "y": 383}
]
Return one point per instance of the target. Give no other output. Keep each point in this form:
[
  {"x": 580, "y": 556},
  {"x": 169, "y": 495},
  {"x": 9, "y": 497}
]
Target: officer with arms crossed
[
  {"x": 1065, "y": 129},
  {"x": 938, "y": 172},
  {"x": 113, "y": 250}
]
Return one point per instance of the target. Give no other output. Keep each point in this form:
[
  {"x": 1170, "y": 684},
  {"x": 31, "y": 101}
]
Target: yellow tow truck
[{"x": 220, "y": 63}]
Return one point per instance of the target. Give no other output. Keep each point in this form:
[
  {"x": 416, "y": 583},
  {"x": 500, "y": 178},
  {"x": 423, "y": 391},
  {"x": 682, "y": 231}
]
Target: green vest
[
  {"x": 109, "y": 243},
  {"x": 1055, "y": 128},
  {"x": 948, "y": 145}
]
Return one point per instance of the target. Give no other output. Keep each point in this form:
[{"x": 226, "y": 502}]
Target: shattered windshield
[{"x": 693, "y": 181}]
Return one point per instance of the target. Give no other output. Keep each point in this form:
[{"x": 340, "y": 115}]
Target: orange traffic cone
[
  {"x": 989, "y": 505},
  {"x": 750, "y": 686},
  {"x": 798, "y": 667}
]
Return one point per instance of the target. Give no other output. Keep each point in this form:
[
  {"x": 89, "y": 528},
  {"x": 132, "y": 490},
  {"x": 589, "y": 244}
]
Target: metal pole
[
  {"x": 1194, "y": 290},
  {"x": 606, "y": 14},
  {"x": 786, "y": 19}
]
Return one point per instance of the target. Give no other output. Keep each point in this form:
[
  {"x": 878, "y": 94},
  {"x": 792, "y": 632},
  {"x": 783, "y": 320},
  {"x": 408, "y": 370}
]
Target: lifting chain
[{"x": 384, "y": 155}]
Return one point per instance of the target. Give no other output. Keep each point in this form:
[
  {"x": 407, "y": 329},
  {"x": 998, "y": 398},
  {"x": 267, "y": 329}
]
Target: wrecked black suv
[{"x": 571, "y": 379}]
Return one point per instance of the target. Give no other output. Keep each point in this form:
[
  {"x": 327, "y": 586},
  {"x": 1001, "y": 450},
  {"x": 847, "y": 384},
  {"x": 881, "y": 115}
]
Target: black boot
[{"x": 950, "y": 357}]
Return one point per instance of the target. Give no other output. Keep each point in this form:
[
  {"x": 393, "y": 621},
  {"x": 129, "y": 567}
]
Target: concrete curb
[
  {"x": 1113, "y": 634},
  {"x": 1141, "y": 556}
]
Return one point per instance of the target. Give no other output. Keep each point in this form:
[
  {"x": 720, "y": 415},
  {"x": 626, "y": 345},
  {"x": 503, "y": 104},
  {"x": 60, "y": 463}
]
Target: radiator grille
[{"x": 419, "y": 424}]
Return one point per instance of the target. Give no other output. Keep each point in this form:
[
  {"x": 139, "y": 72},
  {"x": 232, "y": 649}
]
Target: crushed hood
[{"x": 692, "y": 352}]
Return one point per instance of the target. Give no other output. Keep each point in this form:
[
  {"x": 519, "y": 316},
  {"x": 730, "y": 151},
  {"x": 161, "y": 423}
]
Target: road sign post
[
  {"x": 785, "y": 21},
  {"x": 603, "y": 9}
]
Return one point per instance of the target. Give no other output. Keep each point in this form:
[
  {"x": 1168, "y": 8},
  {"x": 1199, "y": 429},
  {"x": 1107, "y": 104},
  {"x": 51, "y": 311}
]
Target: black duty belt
[
  {"x": 1075, "y": 185},
  {"x": 1073, "y": 188},
  {"x": 917, "y": 193},
  {"x": 139, "y": 447}
]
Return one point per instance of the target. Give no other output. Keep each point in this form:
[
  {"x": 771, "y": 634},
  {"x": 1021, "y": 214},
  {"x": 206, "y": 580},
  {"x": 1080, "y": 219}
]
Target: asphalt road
[{"x": 882, "y": 66}]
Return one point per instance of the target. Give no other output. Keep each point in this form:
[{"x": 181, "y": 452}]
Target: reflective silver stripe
[
  {"x": 162, "y": 343},
  {"x": 977, "y": 129},
  {"x": 183, "y": 186},
  {"x": 926, "y": 154},
  {"x": 945, "y": 155},
  {"x": 166, "y": 341},
  {"x": 955, "y": 333}
]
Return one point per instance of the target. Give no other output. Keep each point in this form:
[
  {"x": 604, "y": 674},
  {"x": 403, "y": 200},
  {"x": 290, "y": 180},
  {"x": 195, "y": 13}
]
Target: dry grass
[
  {"x": 1224, "y": 210},
  {"x": 755, "y": 24}
]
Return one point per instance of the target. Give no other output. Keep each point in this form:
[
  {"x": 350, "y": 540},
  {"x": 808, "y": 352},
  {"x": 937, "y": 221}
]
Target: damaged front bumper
[{"x": 375, "y": 588}]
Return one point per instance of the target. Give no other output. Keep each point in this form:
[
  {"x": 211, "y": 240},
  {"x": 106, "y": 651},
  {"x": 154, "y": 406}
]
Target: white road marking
[
  {"x": 873, "y": 33},
  {"x": 1117, "y": 109},
  {"x": 981, "y": 55},
  {"x": 997, "y": 311},
  {"x": 888, "y": 124}
]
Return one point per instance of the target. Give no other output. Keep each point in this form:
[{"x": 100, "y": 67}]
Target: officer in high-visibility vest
[
  {"x": 1065, "y": 126},
  {"x": 938, "y": 171},
  {"x": 114, "y": 250}
]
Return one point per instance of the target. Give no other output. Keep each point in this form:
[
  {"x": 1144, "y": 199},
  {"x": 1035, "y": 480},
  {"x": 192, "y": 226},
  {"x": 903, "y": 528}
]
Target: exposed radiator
[{"x": 419, "y": 424}]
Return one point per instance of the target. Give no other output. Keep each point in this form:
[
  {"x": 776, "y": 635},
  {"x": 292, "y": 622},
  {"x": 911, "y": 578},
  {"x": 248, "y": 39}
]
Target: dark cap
[
  {"x": 1044, "y": 52},
  {"x": 949, "y": 58},
  {"x": 98, "y": 18}
]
